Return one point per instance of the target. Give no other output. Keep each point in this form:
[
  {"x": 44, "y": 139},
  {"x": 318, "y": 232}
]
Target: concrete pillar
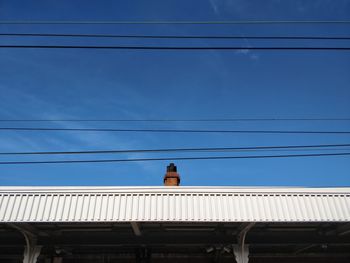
[{"x": 241, "y": 253}]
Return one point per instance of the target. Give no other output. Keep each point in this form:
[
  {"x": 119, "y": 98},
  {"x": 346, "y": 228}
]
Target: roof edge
[{"x": 176, "y": 189}]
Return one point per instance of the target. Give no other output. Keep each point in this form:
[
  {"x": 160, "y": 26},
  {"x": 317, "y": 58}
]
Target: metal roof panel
[{"x": 181, "y": 204}]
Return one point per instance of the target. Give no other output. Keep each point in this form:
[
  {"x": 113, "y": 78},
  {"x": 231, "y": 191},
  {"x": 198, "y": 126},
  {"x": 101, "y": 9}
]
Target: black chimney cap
[{"x": 171, "y": 168}]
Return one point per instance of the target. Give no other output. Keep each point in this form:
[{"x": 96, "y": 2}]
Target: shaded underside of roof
[
  {"x": 179, "y": 241},
  {"x": 175, "y": 204}
]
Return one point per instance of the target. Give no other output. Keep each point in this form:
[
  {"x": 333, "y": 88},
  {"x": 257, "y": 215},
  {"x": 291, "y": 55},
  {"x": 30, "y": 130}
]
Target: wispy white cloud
[
  {"x": 214, "y": 5},
  {"x": 248, "y": 53},
  {"x": 243, "y": 51},
  {"x": 254, "y": 57},
  {"x": 70, "y": 141}
]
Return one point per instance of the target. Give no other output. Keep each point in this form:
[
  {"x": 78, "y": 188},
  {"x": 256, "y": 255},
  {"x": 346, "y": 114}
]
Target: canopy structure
[{"x": 168, "y": 224}]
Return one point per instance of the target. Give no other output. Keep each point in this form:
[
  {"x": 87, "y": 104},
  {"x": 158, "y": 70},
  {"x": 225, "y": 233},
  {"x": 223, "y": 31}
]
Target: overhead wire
[
  {"x": 169, "y": 22},
  {"x": 178, "y": 120},
  {"x": 172, "y": 130},
  {"x": 176, "y": 158},
  {"x": 176, "y": 36},
  {"x": 174, "y": 48},
  {"x": 202, "y": 149}
]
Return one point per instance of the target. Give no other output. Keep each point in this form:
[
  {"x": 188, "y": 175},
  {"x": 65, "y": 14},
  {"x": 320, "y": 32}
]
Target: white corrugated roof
[{"x": 181, "y": 204}]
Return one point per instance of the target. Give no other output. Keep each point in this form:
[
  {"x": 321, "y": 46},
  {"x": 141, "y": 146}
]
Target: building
[{"x": 172, "y": 224}]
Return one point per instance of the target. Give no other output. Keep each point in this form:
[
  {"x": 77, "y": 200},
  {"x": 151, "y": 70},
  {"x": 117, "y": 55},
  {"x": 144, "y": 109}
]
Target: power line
[
  {"x": 169, "y": 130},
  {"x": 177, "y": 120},
  {"x": 174, "y": 47},
  {"x": 207, "y": 149},
  {"x": 169, "y": 22},
  {"x": 177, "y": 158},
  {"x": 176, "y": 36}
]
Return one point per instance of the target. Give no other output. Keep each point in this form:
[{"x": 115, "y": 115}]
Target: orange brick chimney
[{"x": 171, "y": 178}]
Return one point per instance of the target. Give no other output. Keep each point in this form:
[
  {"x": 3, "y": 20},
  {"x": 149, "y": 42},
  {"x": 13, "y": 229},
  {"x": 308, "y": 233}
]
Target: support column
[
  {"x": 136, "y": 228},
  {"x": 241, "y": 250},
  {"x": 32, "y": 250},
  {"x": 241, "y": 253}
]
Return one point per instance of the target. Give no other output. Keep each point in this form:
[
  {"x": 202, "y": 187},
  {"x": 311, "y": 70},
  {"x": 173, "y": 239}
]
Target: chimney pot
[
  {"x": 171, "y": 178},
  {"x": 171, "y": 168}
]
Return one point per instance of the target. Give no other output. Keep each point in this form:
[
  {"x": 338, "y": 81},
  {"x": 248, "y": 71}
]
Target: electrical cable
[
  {"x": 176, "y": 36},
  {"x": 169, "y": 22},
  {"x": 169, "y": 130},
  {"x": 176, "y": 158},
  {"x": 177, "y": 120},
  {"x": 223, "y": 48},
  {"x": 207, "y": 149}
]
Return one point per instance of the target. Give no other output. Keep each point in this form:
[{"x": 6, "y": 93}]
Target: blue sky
[{"x": 52, "y": 84}]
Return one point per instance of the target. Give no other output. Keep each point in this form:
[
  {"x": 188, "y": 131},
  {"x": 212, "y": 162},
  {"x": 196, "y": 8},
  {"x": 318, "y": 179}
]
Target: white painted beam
[
  {"x": 136, "y": 228},
  {"x": 31, "y": 250},
  {"x": 241, "y": 250}
]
